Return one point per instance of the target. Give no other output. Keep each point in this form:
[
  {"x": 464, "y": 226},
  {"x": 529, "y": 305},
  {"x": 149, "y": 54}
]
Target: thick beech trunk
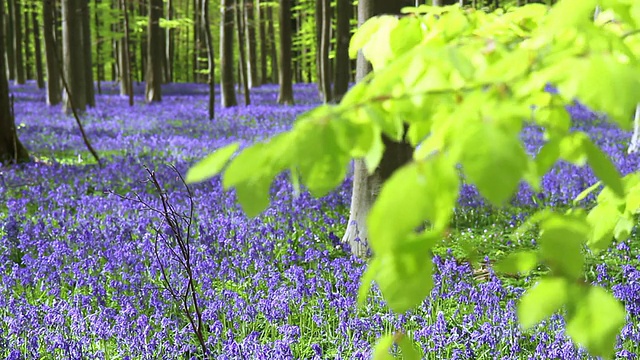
[
  {"x": 38, "y": 49},
  {"x": 264, "y": 45},
  {"x": 11, "y": 149},
  {"x": 272, "y": 47},
  {"x": 16, "y": 15},
  {"x": 73, "y": 58},
  {"x": 126, "y": 81},
  {"x": 87, "y": 48},
  {"x": 285, "y": 79},
  {"x": 252, "y": 57},
  {"x": 342, "y": 71},
  {"x": 153, "y": 89},
  {"x": 169, "y": 48},
  {"x": 228, "y": 91},
  {"x": 367, "y": 186},
  {"x": 54, "y": 94}
]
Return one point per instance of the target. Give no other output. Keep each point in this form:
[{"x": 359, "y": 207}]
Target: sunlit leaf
[
  {"x": 212, "y": 164},
  {"x": 542, "y": 300}
]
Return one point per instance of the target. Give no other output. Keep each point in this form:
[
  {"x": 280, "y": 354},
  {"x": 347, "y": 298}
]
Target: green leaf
[
  {"x": 416, "y": 192},
  {"x": 603, "y": 219},
  {"x": 243, "y": 167},
  {"x": 365, "y": 281},
  {"x": 253, "y": 196},
  {"x": 604, "y": 169},
  {"x": 623, "y": 227},
  {"x": 596, "y": 322},
  {"x": 373, "y": 157},
  {"x": 572, "y": 148},
  {"x": 212, "y": 164},
  {"x": 547, "y": 156},
  {"x": 518, "y": 262},
  {"x": 405, "y": 278},
  {"x": 542, "y": 301},
  {"x": 561, "y": 241},
  {"x": 405, "y": 35},
  {"x": 586, "y": 192},
  {"x": 409, "y": 349},
  {"x": 493, "y": 160},
  {"x": 381, "y": 350}
]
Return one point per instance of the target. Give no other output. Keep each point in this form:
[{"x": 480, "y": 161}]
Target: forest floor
[{"x": 81, "y": 258}]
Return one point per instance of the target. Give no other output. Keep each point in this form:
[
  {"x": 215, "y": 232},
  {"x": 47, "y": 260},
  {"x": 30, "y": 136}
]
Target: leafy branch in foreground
[{"x": 460, "y": 85}]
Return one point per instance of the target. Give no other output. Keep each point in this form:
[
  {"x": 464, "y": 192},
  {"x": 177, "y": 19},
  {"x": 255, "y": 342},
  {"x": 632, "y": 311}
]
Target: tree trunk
[
  {"x": 210, "y": 56},
  {"x": 272, "y": 47},
  {"x": 99, "y": 39},
  {"x": 241, "y": 49},
  {"x": 170, "y": 41},
  {"x": 226, "y": 55},
  {"x": 367, "y": 186},
  {"x": 323, "y": 50},
  {"x": 342, "y": 71},
  {"x": 285, "y": 79},
  {"x": 252, "y": 61},
  {"x": 54, "y": 94},
  {"x": 72, "y": 59},
  {"x": 38, "y": 49},
  {"x": 17, "y": 42},
  {"x": 28, "y": 73},
  {"x": 11, "y": 64},
  {"x": 153, "y": 89},
  {"x": 11, "y": 149},
  {"x": 87, "y": 46},
  {"x": 196, "y": 41},
  {"x": 126, "y": 81},
  {"x": 262, "y": 30}
]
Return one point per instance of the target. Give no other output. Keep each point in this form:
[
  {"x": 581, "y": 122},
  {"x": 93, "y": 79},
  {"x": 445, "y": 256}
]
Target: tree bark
[
  {"x": 252, "y": 58},
  {"x": 210, "y": 57},
  {"x": 11, "y": 65},
  {"x": 17, "y": 42},
  {"x": 26, "y": 37},
  {"x": 272, "y": 46},
  {"x": 99, "y": 63},
  {"x": 342, "y": 71},
  {"x": 73, "y": 60},
  {"x": 54, "y": 94},
  {"x": 126, "y": 81},
  {"x": 170, "y": 41},
  {"x": 262, "y": 31},
  {"x": 226, "y": 55},
  {"x": 153, "y": 89},
  {"x": 87, "y": 46},
  {"x": 324, "y": 67},
  {"x": 285, "y": 95},
  {"x": 241, "y": 49},
  {"x": 38, "y": 49},
  {"x": 11, "y": 149},
  {"x": 366, "y": 187}
]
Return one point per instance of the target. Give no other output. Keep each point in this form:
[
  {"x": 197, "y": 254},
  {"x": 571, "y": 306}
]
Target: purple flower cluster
[{"x": 79, "y": 278}]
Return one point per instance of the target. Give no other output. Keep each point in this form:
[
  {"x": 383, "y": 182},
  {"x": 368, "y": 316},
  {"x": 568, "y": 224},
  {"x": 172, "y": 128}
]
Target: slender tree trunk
[
  {"x": 343, "y": 37},
  {"x": 367, "y": 186},
  {"x": 272, "y": 47},
  {"x": 252, "y": 59},
  {"x": 11, "y": 63},
  {"x": 197, "y": 26},
  {"x": 226, "y": 55},
  {"x": 72, "y": 58},
  {"x": 241, "y": 48},
  {"x": 126, "y": 81},
  {"x": 11, "y": 149},
  {"x": 87, "y": 47},
  {"x": 27, "y": 44},
  {"x": 324, "y": 47},
  {"x": 142, "y": 42},
  {"x": 18, "y": 58},
  {"x": 153, "y": 90},
  {"x": 285, "y": 79},
  {"x": 210, "y": 56},
  {"x": 38, "y": 49},
  {"x": 262, "y": 34},
  {"x": 54, "y": 94},
  {"x": 99, "y": 39},
  {"x": 170, "y": 41}
]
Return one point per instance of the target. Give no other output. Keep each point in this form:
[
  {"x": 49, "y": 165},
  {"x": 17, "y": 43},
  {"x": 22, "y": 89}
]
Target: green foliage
[{"x": 459, "y": 85}]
